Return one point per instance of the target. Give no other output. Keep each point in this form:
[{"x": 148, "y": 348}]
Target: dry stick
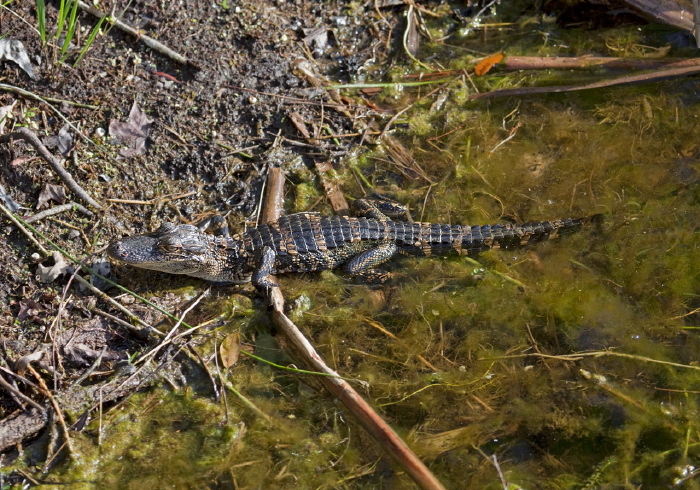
[
  {"x": 59, "y": 209},
  {"x": 148, "y": 41},
  {"x": 26, "y": 232},
  {"x": 44, "y": 100},
  {"x": 645, "y": 77},
  {"x": 332, "y": 189},
  {"x": 696, "y": 22},
  {"x": 18, "y": 90},
  {"x": 56, "y": 407},
  {"x": 368, "y": 418},
  {"x": 669, "y": 12},
  {"x": 20, "y": 395},
  {"x": 586, "y": 62},
  {"x": 28, "y": 136},
  {"x": 147, "y": 329}
]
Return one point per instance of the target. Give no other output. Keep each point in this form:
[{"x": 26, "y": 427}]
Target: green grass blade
[
  {"x": 89, "y": 41},
  {"x": 72, "y": 26},
  {"x": 41, "y": 19},
  {"x": 62, "y": 14}
]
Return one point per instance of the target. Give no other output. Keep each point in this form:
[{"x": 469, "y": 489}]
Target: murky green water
[{"x": 573, "y": 363}]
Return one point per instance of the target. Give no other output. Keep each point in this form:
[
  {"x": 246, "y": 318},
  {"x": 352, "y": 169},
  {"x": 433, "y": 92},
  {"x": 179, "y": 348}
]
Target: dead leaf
[
  {"x": 83, "y": 355},
  {"x": 230, "y": 349},
  {"x": 318, "y": 37},
  {"x": 5, "y": 114},
  {"x": 483, "y": 66},
  {"x": 28, "y": 308},
  {"x": 134, "y": 132},
  {"x": 8, "y": 201},
  {"x": 50, "y": 273},
  {"x": 64, "y": 140},
  {"x": 52, "y": 192},
  {"x": 103, "y": 267},
  {"x": 412, "y": 37},
  {"x": 24, "y": 361},
  {"x": 13, "y": 50}
]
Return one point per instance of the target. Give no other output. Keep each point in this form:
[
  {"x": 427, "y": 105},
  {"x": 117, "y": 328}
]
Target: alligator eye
[{"x": 170, "y": 244}]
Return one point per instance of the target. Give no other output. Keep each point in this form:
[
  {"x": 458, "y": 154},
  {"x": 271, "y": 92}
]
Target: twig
[
  {"x": 494, "y": 460},
  {"x": 167, "y": 340},
  {"x": 669, "y": 12},
  {"x": 410, "y": 28},
  {"x": 44, "y": 100},
  {"x": 27, "y": 233},
  {"x": 211, "y": 376},
  {"x": 28, "y": 136},
  {"x": 92, "y": 368},
  {"x": 59, "y": 209},
  {"x": 111, "y": 301},
  {"x": 643, "y": 78},
  {"x": 370, "y": 420},
  {"x": 580, "y": 355},
  {"x": 696, "y": 22},
  {"x": 332, "y": 189},
  {"x": 247, "y": 402},
  {"x": 585, "y": 62},
  {"x": 56, "y": 407},
  {"x": 18, "y": 90},
  {"x": 148, "y": 41},
  {"x": 20, "y": 395}
]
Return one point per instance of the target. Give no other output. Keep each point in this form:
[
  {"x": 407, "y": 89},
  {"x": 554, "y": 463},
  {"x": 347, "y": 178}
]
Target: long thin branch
[
  {"x": 643, "y": 78},
  {"x": 368, "y": 418},
  {"x": 586, "y": 62},
  {"x": 28, "y": 136},
  {"x": 148, "y": 41},
  {"x": 670, "y": 12}
]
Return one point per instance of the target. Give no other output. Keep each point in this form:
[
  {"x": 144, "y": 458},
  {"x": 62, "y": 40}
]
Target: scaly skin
[{"x": 307, "y": 242}]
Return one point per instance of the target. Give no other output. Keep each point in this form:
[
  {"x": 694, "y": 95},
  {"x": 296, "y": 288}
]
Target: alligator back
[{"x": 313, "y": 233}]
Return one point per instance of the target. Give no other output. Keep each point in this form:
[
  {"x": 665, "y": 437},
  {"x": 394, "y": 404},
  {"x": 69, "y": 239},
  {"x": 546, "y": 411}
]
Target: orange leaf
[
  {"x": 229, "y": 350},
  {"x": 483, "y": 66}
]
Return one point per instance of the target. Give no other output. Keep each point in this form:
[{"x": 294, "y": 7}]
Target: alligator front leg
[
  {"x": 362, "y": 265},
  {"x": 264, "y": 269}
]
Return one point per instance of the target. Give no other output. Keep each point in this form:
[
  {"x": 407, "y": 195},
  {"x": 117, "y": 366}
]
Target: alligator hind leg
[
  {"x": 264, "y": 269},
  {"x": 362, "y": 265},
  {"x": 382, "y": 209}
]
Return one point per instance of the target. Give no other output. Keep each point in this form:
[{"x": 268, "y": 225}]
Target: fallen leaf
[
  {"x": 483, "y": 66},
  {"x": 103, "y": 267},
  {"x": 318, "y": 37},
  {"x": 24, "y": 361},
  {"x": 8, "y": 201},
  {"x": 5, "y": 114},
  {"x": 13, "y": 50},
  {"x": 64, "y": 140},
  {"x": 83, "y": 355},
  {"x": 51, "y": 192},
  {"x": 134, "y": 132},
  {"x": 50, "y": 273},
  {"x": 230, "y": 350},
  {"x": 28, "y": 308}
]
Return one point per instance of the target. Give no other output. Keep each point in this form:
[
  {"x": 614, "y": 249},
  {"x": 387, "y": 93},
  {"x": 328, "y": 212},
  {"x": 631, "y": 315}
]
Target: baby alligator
[{"x": 308, "y": 242}]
